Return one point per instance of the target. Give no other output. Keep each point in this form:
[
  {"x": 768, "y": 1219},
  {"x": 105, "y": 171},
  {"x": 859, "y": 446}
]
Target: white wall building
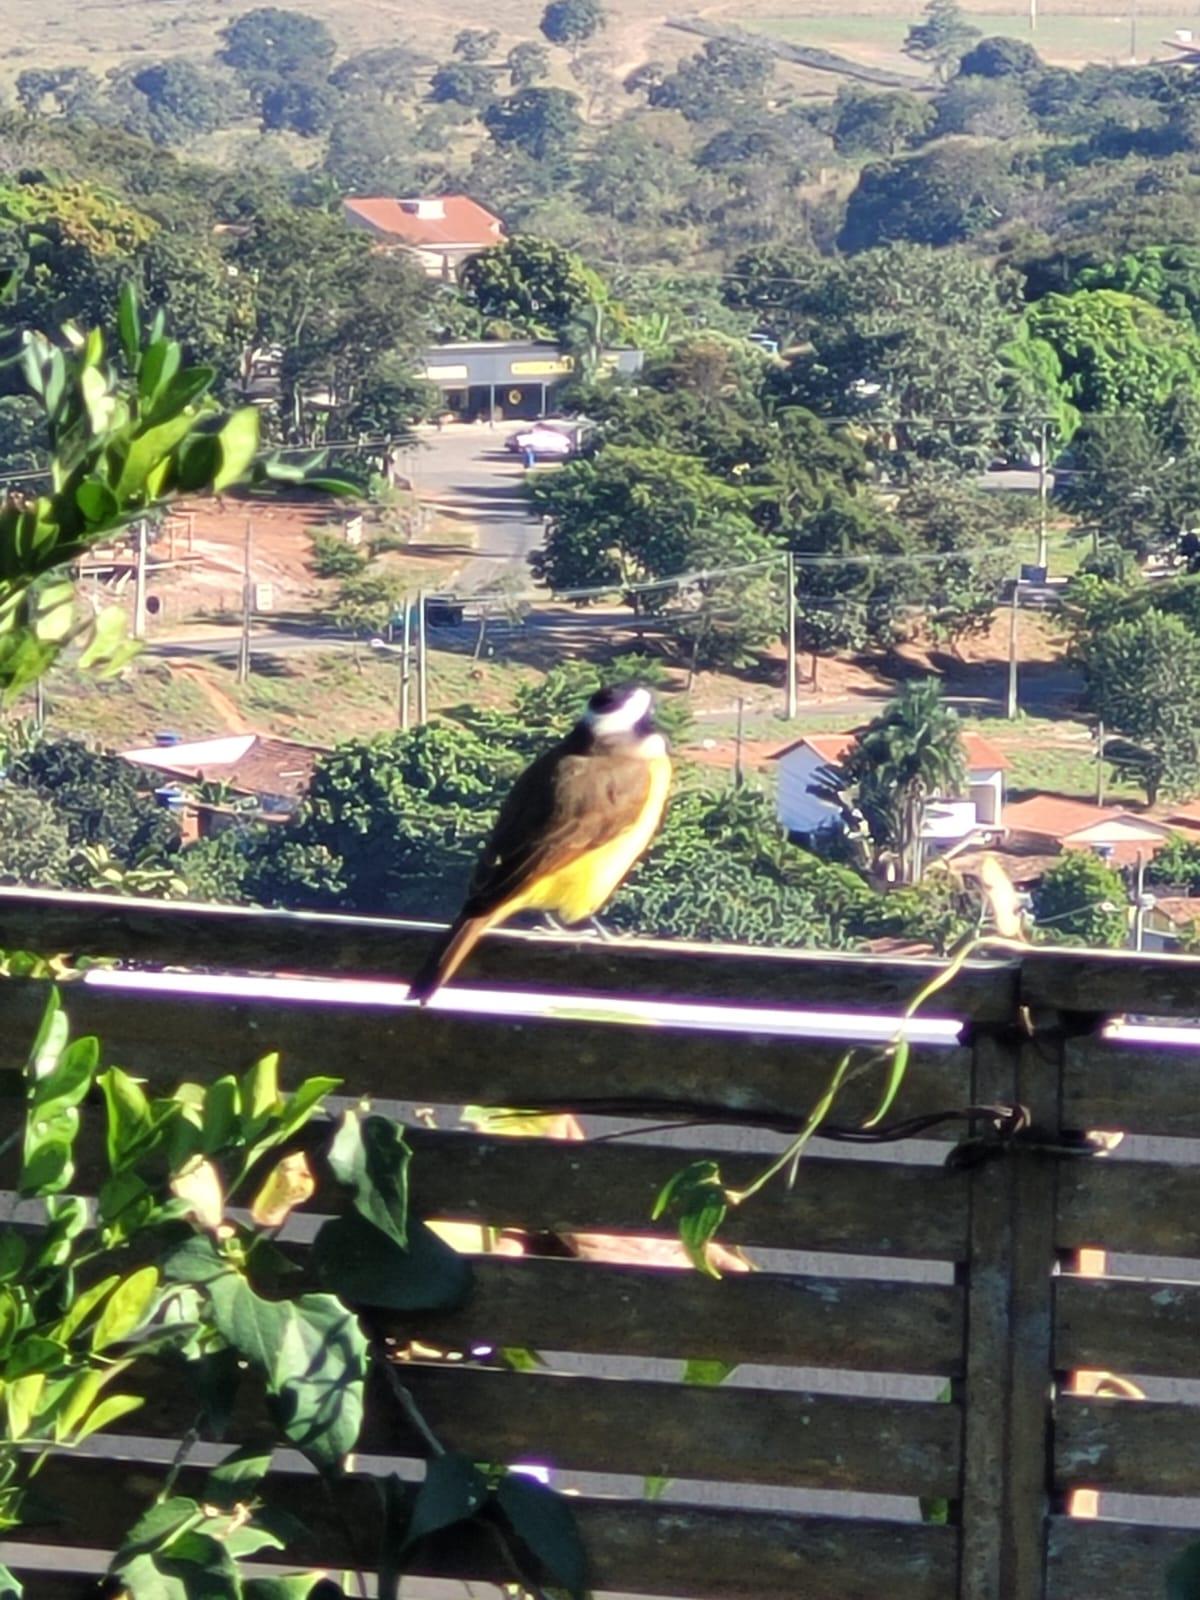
[{"x": 947, "y": 820}]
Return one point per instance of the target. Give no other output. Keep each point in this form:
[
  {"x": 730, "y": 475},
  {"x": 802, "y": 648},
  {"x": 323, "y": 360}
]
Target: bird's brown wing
[{"x": 562, "y": 806}]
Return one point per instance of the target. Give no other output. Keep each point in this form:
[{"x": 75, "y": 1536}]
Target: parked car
[{"x": 545, "y": 444}]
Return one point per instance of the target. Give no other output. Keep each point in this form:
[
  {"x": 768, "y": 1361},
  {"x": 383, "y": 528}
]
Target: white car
[{"x": 549, "y": 443}]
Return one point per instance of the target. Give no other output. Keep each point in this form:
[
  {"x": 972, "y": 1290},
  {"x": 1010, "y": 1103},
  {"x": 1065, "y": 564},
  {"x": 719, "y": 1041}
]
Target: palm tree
[{"x": 912, "y": 752}]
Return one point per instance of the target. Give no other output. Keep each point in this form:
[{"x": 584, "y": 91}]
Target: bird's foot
[
  {"x": 550, "y": 925},
  {"x": 609, "y": 935}
]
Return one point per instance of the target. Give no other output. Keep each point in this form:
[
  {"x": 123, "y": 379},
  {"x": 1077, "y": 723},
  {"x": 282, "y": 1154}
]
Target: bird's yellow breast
[{"x": 579, "y": 888}]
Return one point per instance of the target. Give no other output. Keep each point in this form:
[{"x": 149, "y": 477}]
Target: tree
[
  {"x": 372, "y": 150},
  {"x": 985, "y": 108},
  {"x": 464, "y": 83},
  {"x": 572, "y": 22},
  {"x": 270, "y": 43},
  {"x": 388, "y": 74},
  {"x": 942, "y": 37},
  {"x": 1080, "y": 900},
  {"x": 530, "y": 284},
  {"x": 727, "y": 78},
  {"x": 974, "y": 533},
  {"x": 1001, "y": 57},
  {"x": 34, "y": 848},
  {"x": 99, "y": 799},
  {"x": 173, "y": 101},
  {"x": 629, "y": 515},
  {"x": 869, "y": 123},
  {"x": 1177, "y": 863},
  {"x": 476, "y": 44},
  {"x": 298, "y": 105},
  {"x": 544, "y": 123},
  {"x": 954, "y": 192},
  {"x": 1143, "y": 681},
  {"x": 366, "y": 603},
  {"x": 911, "y": 753},
  {"x": 1116, "y": 351},
  {"x": 1129, "y": 485},
  {"x": 527, "y": 62}
]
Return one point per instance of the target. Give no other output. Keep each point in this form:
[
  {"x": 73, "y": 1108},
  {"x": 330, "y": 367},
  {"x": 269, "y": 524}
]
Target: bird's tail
[{"x": 447, "y": 956}]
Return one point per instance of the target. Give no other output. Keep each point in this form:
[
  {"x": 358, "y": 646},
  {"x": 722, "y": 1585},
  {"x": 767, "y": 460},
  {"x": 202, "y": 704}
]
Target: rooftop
[
  {"x": 252, "y": 763},
  {"x": 448, "y": 219},
  {"x": 981, "y": 753},
  {"x": 1058, "y": 817}
]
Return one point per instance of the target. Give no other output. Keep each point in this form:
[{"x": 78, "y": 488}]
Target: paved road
[{"x": 468, "y": 467}]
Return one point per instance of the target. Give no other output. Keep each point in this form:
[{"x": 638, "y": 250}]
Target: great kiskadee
[{"x": 573, "y": 825}]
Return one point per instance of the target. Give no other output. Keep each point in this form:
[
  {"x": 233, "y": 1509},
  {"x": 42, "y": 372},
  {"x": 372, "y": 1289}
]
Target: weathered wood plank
[
  {"x": 403, "y": 1052},
  {"x": 1110, "y": 981},
  {"x": 235, "y": 938},
  {"x": 560, "y": 1186},
  {"x": 789, "y": 1321},
  {"x": 651, "y": 1549},
  {"x": 670, "y": 1430},
  {"x": 1089, "y": 1560},
  {"x": 1110, "y": 1085},
  {"x": 1127, "y": 1446},
  {"x": 1136, "y": 1207},
  {"x": 1128, "y": 1327}
]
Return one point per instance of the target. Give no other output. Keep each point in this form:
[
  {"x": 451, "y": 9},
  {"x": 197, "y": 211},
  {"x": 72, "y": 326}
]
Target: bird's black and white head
[{"x": 622, "y": 716}]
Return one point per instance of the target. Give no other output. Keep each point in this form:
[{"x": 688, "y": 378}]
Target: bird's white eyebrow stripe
[{"x": 623, "y": 718}]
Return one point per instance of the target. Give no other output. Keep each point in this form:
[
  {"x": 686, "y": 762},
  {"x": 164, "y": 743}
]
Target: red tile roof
[
  {"x": 462, "y": 221},
  {"x": 1057, "y": 817},
  {"x": 831, "y": 747}
]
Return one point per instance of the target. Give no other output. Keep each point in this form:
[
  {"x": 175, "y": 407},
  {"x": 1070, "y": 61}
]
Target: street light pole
[
  {"x": 405, "y": 663},
  {"x": 1012, "y": 649},
  {"x": 422, "y": 663},
  {"x": 791, "y": 636},
  {"x": 1043, "y": 559}
]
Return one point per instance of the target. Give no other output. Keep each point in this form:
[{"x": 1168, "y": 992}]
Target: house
[
  {"x": 509, "y": 378},
  {"x": 1052, "y": 822},
  {"x": 439, "y": 231},
  {"x": 274, "y": 773},
  {"x": 1171, "y": 923},
  {"x": 947, "y": 821}
]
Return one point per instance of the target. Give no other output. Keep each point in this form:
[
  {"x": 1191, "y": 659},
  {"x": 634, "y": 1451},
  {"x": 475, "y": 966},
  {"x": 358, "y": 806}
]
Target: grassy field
[{"x": 1097, "y": 35}]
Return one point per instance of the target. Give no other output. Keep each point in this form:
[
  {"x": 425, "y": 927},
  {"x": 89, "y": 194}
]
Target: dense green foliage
[{"x": 1080, "y": 900}]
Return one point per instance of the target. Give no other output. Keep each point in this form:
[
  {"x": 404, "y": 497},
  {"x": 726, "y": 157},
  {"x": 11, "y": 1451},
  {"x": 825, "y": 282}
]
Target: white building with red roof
[
  {"x": 948, "y": 819},
  {"x": 440, "y": 231}
]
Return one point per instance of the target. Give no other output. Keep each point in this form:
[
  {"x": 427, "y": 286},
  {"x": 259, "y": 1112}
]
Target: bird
[{"x": 570, "y": 830}]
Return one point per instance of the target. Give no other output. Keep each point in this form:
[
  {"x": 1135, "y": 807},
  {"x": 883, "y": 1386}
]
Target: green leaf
[
  {"x": 183, "y": 390},
  {"x": 10, "y": 1587},
  {"x": 260, "y": 1091},
  {"x": 239, "y": 446},
  {"x": 159, "y": 365},
  {"x": 708, "y": 1374},
  {"x": 147, "y": 450},
  {"x": 314, "y": 1357},
  {"x": 197, "y": 1260},
  {"x": 198, "y": 461},
  {"x": 21, "y": 1398},
  {"x": 454, "y": 1491},
  {"x": 128, "y": 1307},
  {"x": 83, "y": 1305},
  {"x": 107, "y": 638},
  {"x": 62, "y": 1078},
  {"x": 129, "y": 324},
  {"x": 696, "y": 1196},
  {"x": 371, "y": 1158},
  {"x": 896, "y": 1071},
  {"x": 97, "y": 502},
  {"x": 164, "y": 1521},
  {"x": 236, "y": 1480},
  {"x": 302, "y": 1104},
  {"x": 366, "y": 1267},
  {"x": 130, "y": 1128},
  {"x": 13, "y": 1251},
  {"x": 545, "y": 1524},
  {"x": 222, "y": 1104},
  {"x": 111, "y": 1409},
  {"x": 50, "y": 1039}
]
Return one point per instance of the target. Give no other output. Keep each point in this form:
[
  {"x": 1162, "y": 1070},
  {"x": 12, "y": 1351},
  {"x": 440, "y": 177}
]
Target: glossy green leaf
[
  {"x": 182, "y": 391},
  {"x": 107, "y": 635},
  {"x": 313, "y": 1354},
  {"x": 454, "y": 1490},
  {"x": 84, "y": 1304},
  {"x": 545, "y": 1525},
  {"x": 239, "y": 446},
  {"x": 130, "y": 1128},
  {"x": 260, "y": 1091},
  {"x": 159, "y": 365},
  {"x": 897, "y": 1067},
  {"x": 111, "y": 1409},
  {"x": 127, "y": 1308},
  {"x": 222, "y": 1105},
  {"x": 97, "y": 502},
  {"x": 371, "y": 1158},
  {"x": 363, "y": 1265},
  {"x": 10, "y": 1587},
  {"x": 236, "y": 1480},
  {"x": 13, "y": 1251},
  {"x": 62, "y": 1078},
  {"x": 129, "y": 323}
]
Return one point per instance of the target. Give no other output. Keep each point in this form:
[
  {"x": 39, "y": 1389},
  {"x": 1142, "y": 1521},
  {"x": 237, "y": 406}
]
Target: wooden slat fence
[{"x": 910, "y": 1330}]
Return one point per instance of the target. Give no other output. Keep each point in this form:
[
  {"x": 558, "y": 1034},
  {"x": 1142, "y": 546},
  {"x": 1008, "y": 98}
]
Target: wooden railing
[{"x": 913, "y": 1330}]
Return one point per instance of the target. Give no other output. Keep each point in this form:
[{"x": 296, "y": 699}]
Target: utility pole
[
  {"x": 422, "y": 662},
  {"x": 405, "y": 663},
  {"x": 1012, "y": 648},
  {"x": 1139, "y": 903},
  {"x": 1100, "y": 764},
  {"x": 139, "y": 584},
  {"x": 791, "y": 637},
  {"x": 1043, "y": 559},
  {"x": 1133, "y": 22},
  {"x": 243, "y": 665},
  {"x": 737, "y": 750}
]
